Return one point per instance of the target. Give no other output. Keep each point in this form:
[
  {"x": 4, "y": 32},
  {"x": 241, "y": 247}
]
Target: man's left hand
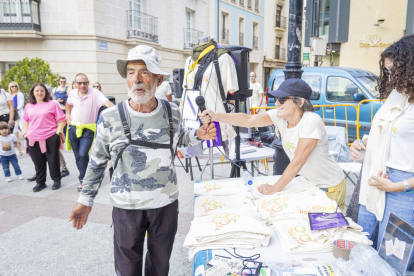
[
  {"x": 11, "y": 122},
  {"x": 207, "y": 132},
  {"x": 384, "y": 184}
]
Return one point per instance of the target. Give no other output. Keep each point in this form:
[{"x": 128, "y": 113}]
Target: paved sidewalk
[{"x": 36, "y": 239}]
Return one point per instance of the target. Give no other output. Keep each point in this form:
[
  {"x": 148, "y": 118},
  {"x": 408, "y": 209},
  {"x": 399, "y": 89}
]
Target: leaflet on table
[
  {"x": 235, "y": 265},
  {"x": 319, "y": 270}
]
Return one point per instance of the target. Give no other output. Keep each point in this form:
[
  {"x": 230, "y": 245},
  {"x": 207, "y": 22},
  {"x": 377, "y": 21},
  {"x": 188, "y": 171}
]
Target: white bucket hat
[{"x": 148, "y": 55}]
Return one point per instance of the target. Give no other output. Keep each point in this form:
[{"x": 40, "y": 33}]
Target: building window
[
  {"x": 280, "y": 53},
  {"x": 323, "y": 15},
  {"x": 188, "y": 24},
  {"x": 135, "y": 14},
  {"x": 241, "y": 31},
  {"x": 225, "y": 29},
  {"x": 19, "y": 14},
  {"x": 256, "y": 5},
  {"x": 9, "y": 9},
  {"x": 25, "y": 9},
  {"x": 255, "y": 36}
]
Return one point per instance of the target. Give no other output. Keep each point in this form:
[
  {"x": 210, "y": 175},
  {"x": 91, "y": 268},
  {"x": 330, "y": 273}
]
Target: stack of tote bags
[
  {"x": 288, "y": 212},
  {"x": 225, "y": 217}
]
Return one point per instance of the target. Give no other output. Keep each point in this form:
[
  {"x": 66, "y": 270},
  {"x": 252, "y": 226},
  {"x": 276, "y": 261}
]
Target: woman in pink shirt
[{"x": 43, "y": 134}]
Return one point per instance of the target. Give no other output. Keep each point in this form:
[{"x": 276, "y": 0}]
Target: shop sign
[
  {"x": 374, "y": 42},
  {"x": 305, "y": 56}
]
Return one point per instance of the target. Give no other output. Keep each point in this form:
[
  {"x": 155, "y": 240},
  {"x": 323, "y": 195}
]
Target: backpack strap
[
  {"x": 198, "y": 79},
  {"x": 221, "y": 88},
  {"x": 127, "y": 132}
]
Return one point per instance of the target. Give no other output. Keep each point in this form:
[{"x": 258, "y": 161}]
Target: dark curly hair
[
  {"x": 402, "y": 73},
  {"x": 32, "y": 98}
]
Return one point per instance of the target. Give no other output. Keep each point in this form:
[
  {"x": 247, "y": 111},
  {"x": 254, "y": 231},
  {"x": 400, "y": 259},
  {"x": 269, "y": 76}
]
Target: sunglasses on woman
[
  {"x": 386, "y": 71},
  {"x": 97, "y": 86},
  {"x": 283, "y": 99},
  {"x": 13, "y": 86}
]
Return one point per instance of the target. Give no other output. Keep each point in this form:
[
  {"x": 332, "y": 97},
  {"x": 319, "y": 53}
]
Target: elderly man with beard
[{"x": 138, "y": 136}]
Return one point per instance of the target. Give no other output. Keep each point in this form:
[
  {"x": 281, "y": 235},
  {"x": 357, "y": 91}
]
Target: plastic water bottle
[{"x": 248, "y": 179}]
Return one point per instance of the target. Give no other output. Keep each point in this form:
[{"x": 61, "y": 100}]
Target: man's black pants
[{"x": 130, "y": 227}]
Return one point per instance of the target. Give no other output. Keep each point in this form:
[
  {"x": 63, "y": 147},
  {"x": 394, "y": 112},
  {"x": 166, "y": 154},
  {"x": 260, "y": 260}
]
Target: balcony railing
[
  {"x": 241, "y": 2},
  {"x": 255, "y": 42},
  {"x": 142, "y": 26},
  {"x": 19, "y": 15},
  {"x": 225, "y": 35},
  {"x": 281, "y": 22},
  {"x": 280, "y": 53},
  {"x": 241, "y": 39},
  {"x": 256, "y": 5},
  {"x": 191, "y": 37},
  {"x": 249, "y": 4}
]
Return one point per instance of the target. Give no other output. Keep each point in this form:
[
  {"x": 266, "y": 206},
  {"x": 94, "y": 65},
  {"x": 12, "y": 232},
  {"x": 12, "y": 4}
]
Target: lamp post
[{"x": 293, "y": 65}]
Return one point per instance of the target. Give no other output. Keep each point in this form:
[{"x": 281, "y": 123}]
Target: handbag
[{"x": 16, "y": 115}]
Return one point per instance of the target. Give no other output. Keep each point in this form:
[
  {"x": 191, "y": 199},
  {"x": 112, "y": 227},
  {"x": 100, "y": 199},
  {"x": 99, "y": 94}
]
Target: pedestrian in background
[
  {"x": 82, "y": 109},
  {"x": 8, "y": 153},
  {"x": 164, "y": 91},
  {"x": 387, "y": 177},
  {"x": 18, "y": 100},
  {"x": 44, "y": 122},
  {"x": 74, "y": 85},
  {"x": 65, "y": 171},
  {"x": 6, "y": 108},
  {"x": 257, "y": 95},
  {"x": 60, "y": 94},
  {"x": 97, "y": 86}
]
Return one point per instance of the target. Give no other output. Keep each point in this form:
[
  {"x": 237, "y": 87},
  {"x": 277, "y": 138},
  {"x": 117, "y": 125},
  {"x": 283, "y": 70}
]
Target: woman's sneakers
[{"x": 8, "y": 179}]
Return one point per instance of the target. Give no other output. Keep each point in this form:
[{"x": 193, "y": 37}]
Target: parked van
[{"x": 337, "y": 85}]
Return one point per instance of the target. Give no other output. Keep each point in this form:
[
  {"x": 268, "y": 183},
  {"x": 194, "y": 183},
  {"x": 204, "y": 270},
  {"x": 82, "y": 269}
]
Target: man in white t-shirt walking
[
  {"x": 257, "y": 96},
  {"x": 164, "y": 91}
]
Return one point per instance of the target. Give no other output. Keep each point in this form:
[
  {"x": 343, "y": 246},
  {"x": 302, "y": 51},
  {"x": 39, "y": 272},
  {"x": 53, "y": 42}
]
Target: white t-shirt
[
  {"x": 7, "y": 145},
  {"x": 401, "y": 155},
  {"x": 257, "y": 89},
  {"x": 320, "y": 168},
  {"x": 163, "y": 90},
  {"x": 4, "y": 98},
  {"x": 209, "y": 86}
]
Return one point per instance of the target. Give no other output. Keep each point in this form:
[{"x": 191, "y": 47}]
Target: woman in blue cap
[{"x": 304, "y": 139}]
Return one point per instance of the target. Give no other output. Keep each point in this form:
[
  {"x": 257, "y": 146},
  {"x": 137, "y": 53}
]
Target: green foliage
[{"x": 28, "y": 72}]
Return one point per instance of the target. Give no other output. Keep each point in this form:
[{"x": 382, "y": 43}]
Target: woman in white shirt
[
  {"x": 304, "y": 139},
  {"x": 387, "y": 178},
  {"x": 18, "y": 100}
]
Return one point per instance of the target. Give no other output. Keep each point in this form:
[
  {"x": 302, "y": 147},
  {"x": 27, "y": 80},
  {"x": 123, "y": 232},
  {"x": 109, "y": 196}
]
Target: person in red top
[{"x": 43, "y": 134}]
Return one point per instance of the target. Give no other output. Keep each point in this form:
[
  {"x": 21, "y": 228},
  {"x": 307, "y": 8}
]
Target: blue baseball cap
[{"x": 293, "y": 87}]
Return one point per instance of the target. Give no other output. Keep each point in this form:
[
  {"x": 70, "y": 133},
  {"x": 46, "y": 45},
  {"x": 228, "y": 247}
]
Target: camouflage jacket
[{"x": 144, "y": 178}]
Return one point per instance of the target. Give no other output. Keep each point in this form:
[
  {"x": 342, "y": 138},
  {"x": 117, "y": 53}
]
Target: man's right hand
[
  {"x": 68, "y": 119},
  {"x": 79, "y": 215},
  {"x": 355, "y": 148}
]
